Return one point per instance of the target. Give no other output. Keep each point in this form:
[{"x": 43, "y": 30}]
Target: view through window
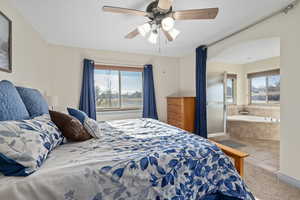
[
  {"x": 118, "y": 89},
  {"x": 265, "y": 89},
  {"x": 231, "y": 89}
]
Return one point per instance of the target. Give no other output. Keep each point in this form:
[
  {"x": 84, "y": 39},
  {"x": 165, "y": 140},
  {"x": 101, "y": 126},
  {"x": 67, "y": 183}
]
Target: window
[
  {"x": 265, "y": 87},
  {"x": 118, "y": 88},
  {"x": 231, "y": 89}
]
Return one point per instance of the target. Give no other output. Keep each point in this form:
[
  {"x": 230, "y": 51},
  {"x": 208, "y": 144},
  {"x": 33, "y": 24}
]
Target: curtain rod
[
  {"x": 284, "y": 10},
  {"x": 119, "y": 64}
]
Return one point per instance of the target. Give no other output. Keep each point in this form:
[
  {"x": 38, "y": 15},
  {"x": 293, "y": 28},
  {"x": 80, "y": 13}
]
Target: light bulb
[
  {"x": 153, "y": 37},
  {"x": 144, "y": 29},
  {"x": 174, "y": 33},
  {"x": 168, "y": 23}
]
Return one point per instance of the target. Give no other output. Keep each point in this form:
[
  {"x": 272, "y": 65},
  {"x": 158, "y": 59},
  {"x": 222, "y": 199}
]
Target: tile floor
[{"x": 261, "y": 169}]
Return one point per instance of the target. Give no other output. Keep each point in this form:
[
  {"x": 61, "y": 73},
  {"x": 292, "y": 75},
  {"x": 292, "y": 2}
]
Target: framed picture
[{"x": 5, "y": 43}]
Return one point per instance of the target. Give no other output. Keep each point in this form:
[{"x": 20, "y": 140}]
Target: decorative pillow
[
  {"x": 92, "y": 127},
  {"x": 24, "y": 145},
  {"x": 80, "y": 115},
  {"x": 34, "y": 101},
  {"x": 11, "y": 104},
  {"x": 70, "y": 127},
  {"x": 89, "y": 124}
]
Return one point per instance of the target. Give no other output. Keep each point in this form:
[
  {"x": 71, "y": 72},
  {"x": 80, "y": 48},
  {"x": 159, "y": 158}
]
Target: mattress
[{"x": 133, "y": 159}]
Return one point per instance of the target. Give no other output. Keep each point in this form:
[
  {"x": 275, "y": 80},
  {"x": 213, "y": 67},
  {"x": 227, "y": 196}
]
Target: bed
[{"x": 134, "y": 159}]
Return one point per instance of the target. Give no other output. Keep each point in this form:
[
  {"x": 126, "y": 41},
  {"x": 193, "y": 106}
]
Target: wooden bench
[{"x": 236, "y": 155}]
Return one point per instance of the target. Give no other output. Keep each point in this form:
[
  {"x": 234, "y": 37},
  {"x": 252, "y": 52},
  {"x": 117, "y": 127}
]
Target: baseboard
[{"x": 290, "y": 180}]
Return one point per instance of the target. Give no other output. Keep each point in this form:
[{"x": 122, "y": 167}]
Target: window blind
[{"x": 264, "y": 73}]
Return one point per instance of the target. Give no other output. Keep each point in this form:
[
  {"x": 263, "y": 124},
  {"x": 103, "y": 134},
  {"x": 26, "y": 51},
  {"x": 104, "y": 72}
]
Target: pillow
[
  {"x": 80, "y": 115},
  {"x": 11, "y": 104},
  {"x": 89, "y": 124},
  {"x": 34, "y": 101},
  {"x": 25, "y": 145},
  {"x": 92, "y": 127},
  {"x": 70, "y": 127}
]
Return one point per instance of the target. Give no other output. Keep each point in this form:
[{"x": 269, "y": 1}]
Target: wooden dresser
[{"x": 181, "y": 112}]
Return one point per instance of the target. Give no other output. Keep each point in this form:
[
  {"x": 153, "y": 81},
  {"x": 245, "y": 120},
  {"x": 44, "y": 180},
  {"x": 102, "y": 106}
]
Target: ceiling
[
  {"x": 250, "y": 51},
  {"x": 82, "y": 23}
]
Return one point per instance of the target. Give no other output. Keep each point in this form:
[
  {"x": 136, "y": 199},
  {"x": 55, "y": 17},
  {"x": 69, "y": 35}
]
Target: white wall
[
  {"x": 66, "y": 67},
  {"x": 285, "y": 26},
  {"x": 57, "y": 70},
  {"x": 29, "y": 53}
]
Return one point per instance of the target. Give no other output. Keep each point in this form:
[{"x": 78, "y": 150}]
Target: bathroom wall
[{"x": 243, "y": 90}]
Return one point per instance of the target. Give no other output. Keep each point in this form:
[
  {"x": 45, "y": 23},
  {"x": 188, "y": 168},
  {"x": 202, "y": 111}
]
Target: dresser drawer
[
  {"x": 175, "y": 101},
  {"x": 174, "y": 116},
  {"x": 175, "y": 109},
  {"x": 181, "y": 112}
]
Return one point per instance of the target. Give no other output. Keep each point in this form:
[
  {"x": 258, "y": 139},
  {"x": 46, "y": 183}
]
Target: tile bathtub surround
[
  {"x": 256, "y": 110},
  {"x": 254, "y": 130},
  {"x": 234, "y": 109},
  {"x": 264, "y": 111}
]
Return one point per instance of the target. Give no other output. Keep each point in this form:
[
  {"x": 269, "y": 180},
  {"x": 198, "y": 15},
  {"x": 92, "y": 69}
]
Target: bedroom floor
[{"x": 261, "y": 168}]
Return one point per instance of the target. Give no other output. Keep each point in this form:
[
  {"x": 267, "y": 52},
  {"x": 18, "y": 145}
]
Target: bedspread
[{"x": 135, "y": 159}]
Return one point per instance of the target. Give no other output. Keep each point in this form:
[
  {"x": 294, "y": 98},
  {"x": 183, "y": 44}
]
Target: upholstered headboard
[
  {"x": 20, "y": 103},
  {"x": 27, "y": 85}
]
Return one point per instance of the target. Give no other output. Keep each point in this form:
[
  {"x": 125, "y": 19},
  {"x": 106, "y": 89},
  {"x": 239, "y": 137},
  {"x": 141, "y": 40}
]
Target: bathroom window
[
  {"x": 231, "y": 89},
  {"x": 265, "y": 87}
]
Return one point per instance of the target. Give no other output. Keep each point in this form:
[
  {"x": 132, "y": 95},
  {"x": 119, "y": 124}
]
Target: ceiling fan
[{"x": 161, "y": 16}]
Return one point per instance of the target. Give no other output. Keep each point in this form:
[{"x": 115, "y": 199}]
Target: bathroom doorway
[{"x": 250, "y": 96}]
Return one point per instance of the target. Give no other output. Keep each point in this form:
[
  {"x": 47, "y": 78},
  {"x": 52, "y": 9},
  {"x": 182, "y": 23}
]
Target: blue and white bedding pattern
[
  {"x": 136, "y": 160},
  {"x": 25, "y": 144}
]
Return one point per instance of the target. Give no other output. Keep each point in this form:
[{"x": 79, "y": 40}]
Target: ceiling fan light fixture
[
  {"x": 174, "y": 33},
  {"x": 144, "y": 29},
  {"x": 153, "y": 37},
  {"x": 168, "y": 23}
]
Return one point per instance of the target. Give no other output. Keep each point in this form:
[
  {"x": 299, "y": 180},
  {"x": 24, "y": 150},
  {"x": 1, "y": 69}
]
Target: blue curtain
[
  {"x": 149, "y": 107},
  {"x": 201, "y": 117},
  {"x": 87, "y": 98}
]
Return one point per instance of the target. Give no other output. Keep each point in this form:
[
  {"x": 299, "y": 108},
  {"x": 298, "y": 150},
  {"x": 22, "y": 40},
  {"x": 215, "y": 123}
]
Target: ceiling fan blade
[
  {"x": 132, "y": 34},
  {"x": 168, "y": 36},
  {"x": 124, "y": 11},
  {"x": 208, "y": 13},
  {"x": 165, "y": 4}
]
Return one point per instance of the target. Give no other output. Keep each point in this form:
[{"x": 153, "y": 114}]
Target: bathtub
[
  {"x": 251, "y": 118},
  {"x": 255, "y": 127}
]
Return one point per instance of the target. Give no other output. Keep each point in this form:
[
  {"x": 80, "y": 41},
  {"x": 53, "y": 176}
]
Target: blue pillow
[
  {"x": 80, "y": 115},
  {"x": 34, "y": 101},
  {"x": 26, "y": 144},
  {"x": 11, "y": 105}
]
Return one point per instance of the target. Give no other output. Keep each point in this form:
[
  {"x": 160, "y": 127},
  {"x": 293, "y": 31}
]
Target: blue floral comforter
[{"x": 136, "y": 159}]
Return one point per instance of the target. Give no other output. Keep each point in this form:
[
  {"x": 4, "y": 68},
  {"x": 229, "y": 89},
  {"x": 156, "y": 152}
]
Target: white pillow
[
  {"x": 25, "y": 145},
  {"x": 92, "y": 127}
]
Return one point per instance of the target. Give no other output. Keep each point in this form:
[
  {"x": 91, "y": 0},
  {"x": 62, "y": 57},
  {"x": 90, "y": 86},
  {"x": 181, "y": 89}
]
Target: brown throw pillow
[{"x": 70, "y": 127}]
